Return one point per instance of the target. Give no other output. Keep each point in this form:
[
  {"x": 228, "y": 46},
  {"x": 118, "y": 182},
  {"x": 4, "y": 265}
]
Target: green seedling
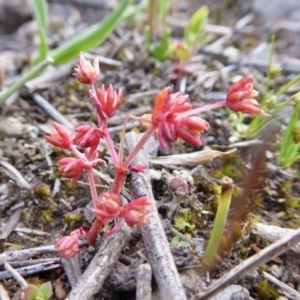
[
  {"x": 157, "y": 18},
  {"x": 181, "y": 52},
  {"x": 33, "y": 292},
  {"x": 220, "y": 222},
  {"x": 182, "y": 221},
  {"x": 158, "y": 50}
]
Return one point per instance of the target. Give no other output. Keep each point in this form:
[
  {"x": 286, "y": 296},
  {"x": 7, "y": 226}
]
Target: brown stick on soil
[{"x": 155, "y": 240}]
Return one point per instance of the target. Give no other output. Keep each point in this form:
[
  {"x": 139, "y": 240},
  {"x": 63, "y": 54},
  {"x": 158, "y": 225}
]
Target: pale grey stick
[
  {"x": 30, "y": 252},
  {"x": 30, "y": 262},
  {"x": 290, "y": 292},
  {"x": 273, "y": 233},
  {"x": 254, "y": 261},
  {"x": 11, "y": 224},
  {"x": 143, "y": 282},
  {"x": 92, "y": 279},
  {"x": 25, "y": 254},
  {"x": 72, "y": 269},
  {"x": 48, "y": 77},
  {"x": 51, "y": 111},
  {"x": 155, "y": 240},
  {"x": 13, "y": 273},
  {"x": 3, "y": 293},
  {"x": 25, "y": 271}
]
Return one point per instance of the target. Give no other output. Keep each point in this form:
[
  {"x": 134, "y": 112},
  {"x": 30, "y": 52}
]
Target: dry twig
[
  {"x": 51, "y": 111},
  {"x": 92, "y": 279},
  {"x": 155, "y": 240},
  {"x": 3, "y": 293},
  {"x": 273, "y": 233},
  {"x": 10, "y": 226},
  {"x": 143, "y": 282},
  {"x": 251, "y": 263},
  {"x": 290, "y": 292}
]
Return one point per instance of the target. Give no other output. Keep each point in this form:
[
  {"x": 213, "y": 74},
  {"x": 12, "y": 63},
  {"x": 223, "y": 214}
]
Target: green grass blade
[
  {"x": 160, "y": 51},
  {"x": 134, "y": 9},
  {"x": 41, "y": 15},
  {"x": 287, "y": 151},
  {"x": 34, "y": 71},
  {"x": 89, "y": 38},
  {"x": 254, "y": 126},
  {"x": 286, "y": 87}
]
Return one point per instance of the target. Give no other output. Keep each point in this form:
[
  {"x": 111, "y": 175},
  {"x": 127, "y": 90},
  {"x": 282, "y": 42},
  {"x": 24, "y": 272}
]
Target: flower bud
[
  {"x": 87, "y": 136},
  {"x": 107, "y": 208},
  {"x": 85, "y": 72},
  {"x": 67, "y": 246},
  {"x": 109, "y": 99},
  {"x": 189, "y": 129},
  {"x": 70, "y": 167},
  {"x": 240, "y": 97},
  {"x": 60, "y": 136},
  {"x": 136, "y": 212}
]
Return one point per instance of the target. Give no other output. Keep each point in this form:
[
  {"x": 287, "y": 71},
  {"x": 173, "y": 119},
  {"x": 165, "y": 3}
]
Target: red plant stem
[
  {"x": 110, "y": 147},
  {"x": 201, "y": 109},
  {"x": 90, "y": 174},
  {"x": 92, "y": 184},
  {"x": 100, "y": 118},
  {"x": 138, "y": 146},
  {"x": 97, "y": 224},
  {"x": 118, "y": 180},
  {"x": 78, "y": 153},
  {"x": 121, "y": 147},
  {"x": 94, "y": 232}
]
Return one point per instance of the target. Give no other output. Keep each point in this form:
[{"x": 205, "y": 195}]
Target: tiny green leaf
[
  {"x": 46, "y": 290},
  {"x": 289, "y": 150},
  {"x": 161, "y": 50},
  {"x": 175, "y": 240},
  {"x": 195, "y": 29},
  {"x": 31, "y": 292},
  {"x": 184, "y": 244}
]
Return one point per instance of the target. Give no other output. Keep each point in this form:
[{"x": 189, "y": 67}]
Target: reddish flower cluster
[
  {"x": 240, "y": 97},
  {"x": 165, "y": 114},
  {"x": 67, "y": 246},
  {"x": 86, "y": 137},
  {"x": 109, "y": 207},
  {"x": 136, "y": 212}
]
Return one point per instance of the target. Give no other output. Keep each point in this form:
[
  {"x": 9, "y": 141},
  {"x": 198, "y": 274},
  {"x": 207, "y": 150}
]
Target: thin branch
[
  {"x": 155, "y": 240},
  {"x": 92, "y": 279},
  {"x": 51, "y": 111},
  {"x": 251, "y": 263},
  {"x": 143, "y": 282}
]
